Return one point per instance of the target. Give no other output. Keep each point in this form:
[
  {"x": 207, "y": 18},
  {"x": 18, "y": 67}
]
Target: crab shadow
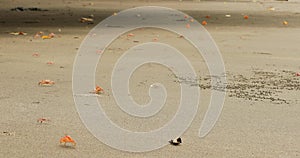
[{"x": 67, "y": 146}]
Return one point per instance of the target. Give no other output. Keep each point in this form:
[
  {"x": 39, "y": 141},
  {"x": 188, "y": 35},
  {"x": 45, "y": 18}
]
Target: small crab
[
  {"x": 130, "y": 35},
  {"x": 50, "y": 63},
  {"x": 46, "y": 83},
  {"x": 35, "y": 54},
  {"x": 67, "y": 140},
  {"x": 188, "y": 26},
  {"x": 42, "y": 120},
  {"x": 98, "y": 90}
]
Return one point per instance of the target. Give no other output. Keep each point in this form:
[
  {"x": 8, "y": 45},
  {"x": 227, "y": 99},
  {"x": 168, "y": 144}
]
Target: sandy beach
[{"x": 260, "y": 116}]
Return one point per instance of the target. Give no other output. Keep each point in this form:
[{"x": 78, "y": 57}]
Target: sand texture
[{"x": 261, "y": 113}]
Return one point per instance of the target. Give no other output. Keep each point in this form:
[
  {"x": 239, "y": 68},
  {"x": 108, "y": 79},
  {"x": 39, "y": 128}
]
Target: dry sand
[{"x": 260, "y": 117}]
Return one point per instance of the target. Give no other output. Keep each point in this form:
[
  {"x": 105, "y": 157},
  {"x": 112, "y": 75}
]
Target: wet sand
[{"x": 260, "y": 117}]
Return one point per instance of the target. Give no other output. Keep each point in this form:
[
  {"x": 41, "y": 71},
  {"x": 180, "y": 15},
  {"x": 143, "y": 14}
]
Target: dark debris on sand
[{"x": 21, "y": 9}]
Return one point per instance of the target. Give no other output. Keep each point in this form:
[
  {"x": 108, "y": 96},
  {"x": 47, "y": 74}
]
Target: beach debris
[
  {"x": 136, "y": 41},
  {"x": 271, "y": 8},
  {"x": 115, "y": 14},
  {"x": 227, "y": 15},
  {"x": 18, "y": 33},
  {"x": 297, "y": 73},
  {"x": 155, "y": 39},
  {"x": 46, "y": 83},
  {"x": 87, "y": 20},
  {"x": 35, "y": 54},
  {"x": 176, "y": 141},
  {"x": 185, "y": 16},
  {"x": 153, "y": 86},
  {"x": 207, "y": 16},
  {"x": 246, "y": 17},
  {"x": 180, "y": 36},
  {"x": 18, "y": 9},
  {"x": 41, "y": 34},
  {"x": 7, "y": 133},
  {"x": 38, "y": 34},
  {"x": 46, "y": 37},
  {"x": 51, "y": 35},
  {"x": 188, "y": 26},
  {"x": 21, "y": 9},
  {"x": 43, "y": 120},
  {"x": 204, "y": 22},
  {"x": 88, "y": 4},
  {"x": 67, "y": 140},
  {"x": 285, "y": 23},
  {"x": 191, "y": 20}
]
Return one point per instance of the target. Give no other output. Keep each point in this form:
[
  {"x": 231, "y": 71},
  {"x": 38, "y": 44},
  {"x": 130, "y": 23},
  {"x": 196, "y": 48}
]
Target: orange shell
[
  {"x": 46, "y": 37},
  {"x": 285, "y": 23}
]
